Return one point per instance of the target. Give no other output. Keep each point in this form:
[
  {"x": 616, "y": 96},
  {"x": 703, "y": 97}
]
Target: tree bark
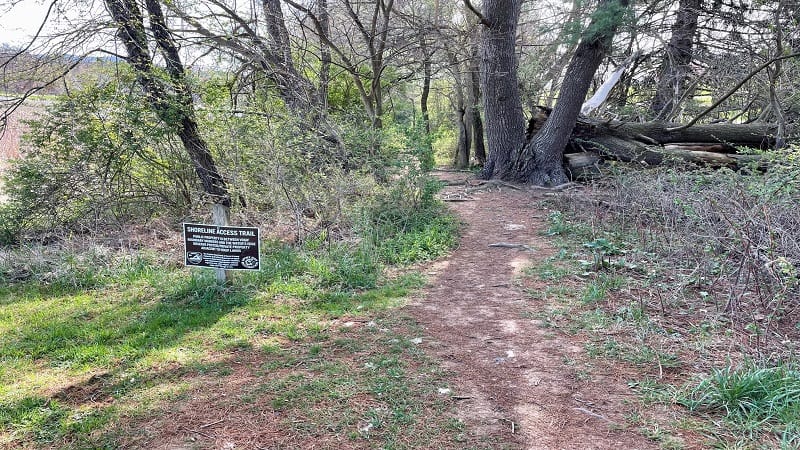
[
  {"x": 677, "y": 57},
  {"x": 463, "y": 117},
  {"x": 541, "y": 160},
  {"x": 296, "y": 91},
  {"x": 474, "y": 95},
  {"x": 427, "y": 74},
  {"x": 324, "y": 53},
  {"x": 502, "y": 104}
]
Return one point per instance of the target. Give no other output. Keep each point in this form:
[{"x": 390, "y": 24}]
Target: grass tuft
[{"x": 753, "y": 400}]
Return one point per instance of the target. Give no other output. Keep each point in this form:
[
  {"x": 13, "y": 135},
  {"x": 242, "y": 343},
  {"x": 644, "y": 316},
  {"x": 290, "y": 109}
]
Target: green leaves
[{"x": 96, "y": 152}]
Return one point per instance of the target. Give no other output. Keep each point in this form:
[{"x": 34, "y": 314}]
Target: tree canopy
[{"x": 460, "y": 79}]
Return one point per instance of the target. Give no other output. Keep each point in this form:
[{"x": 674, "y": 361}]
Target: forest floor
[
  {"x": 510, "y": 378},
  {"x": 502, "y": 344},
  {"x": 516, "y": 379}
]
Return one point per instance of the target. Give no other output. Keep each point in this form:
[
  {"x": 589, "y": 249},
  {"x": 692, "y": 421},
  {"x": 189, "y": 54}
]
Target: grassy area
[
  {"x": 689, "y": 279},
  {"x": 96, "y": 344}
]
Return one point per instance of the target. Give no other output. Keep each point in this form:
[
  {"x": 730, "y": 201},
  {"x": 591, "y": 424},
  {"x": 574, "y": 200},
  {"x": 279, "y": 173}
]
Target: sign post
[
  {"x": 221, "y": 248},
  {"x": 221, "y": 215}
]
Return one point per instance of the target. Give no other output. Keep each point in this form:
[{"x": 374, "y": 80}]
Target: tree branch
[
  {"x": 482, "y": 20},
  {"x": 733, "y": 91}
]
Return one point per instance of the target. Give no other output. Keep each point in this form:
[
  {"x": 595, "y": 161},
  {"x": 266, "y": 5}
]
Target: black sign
[{"x": 229, "y": 248}]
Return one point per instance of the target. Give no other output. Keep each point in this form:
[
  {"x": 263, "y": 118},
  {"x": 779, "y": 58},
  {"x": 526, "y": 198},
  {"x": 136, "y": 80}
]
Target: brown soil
[{"x": 514, "y": 379}]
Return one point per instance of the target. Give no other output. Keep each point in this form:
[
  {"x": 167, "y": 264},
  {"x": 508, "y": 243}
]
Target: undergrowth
[
  {"x": 691, "y": 268},
  {"x": 410, "y": 224}
]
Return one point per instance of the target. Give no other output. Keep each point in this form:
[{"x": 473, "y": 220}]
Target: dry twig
[{"x": 512, "y": 245}]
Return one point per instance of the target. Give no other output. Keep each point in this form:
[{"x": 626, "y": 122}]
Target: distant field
[{"x": 10, "y": 139}]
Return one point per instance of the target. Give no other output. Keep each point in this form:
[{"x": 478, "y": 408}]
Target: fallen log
[
  {"x": 755, "y": 135},
  {"x": 654, "y": 143},
  {"x": 726, "y": 135},
  {"x": 700, "y": 146},
  {"x": 584, "y": 165},
  {"x": 612, "y": 147}
]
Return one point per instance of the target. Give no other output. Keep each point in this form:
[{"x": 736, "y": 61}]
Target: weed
[
  {"x": 657, "y": 433},
  {"x": 602, "y": 250},
  {"x": 653, "y": 392},
  {"x": 558, "y": 224}
]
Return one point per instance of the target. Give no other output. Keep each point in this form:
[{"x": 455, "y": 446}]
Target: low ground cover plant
[{"x": 699, "y": 268}]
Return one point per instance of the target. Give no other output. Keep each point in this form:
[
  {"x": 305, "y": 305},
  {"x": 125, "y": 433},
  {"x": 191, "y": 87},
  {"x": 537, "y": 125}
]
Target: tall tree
[
  {"x": 463, "y": 111},
  {"x": 540, "y": 161},
  {"x": 474, "y": 100},
  {"x": 502, "y": 105},
  {"x": 169, "y": 97},
  {"x": 678, "y": 55},
  {"x": 269, "y": 54},
  {"x": 365, "y": 59}
]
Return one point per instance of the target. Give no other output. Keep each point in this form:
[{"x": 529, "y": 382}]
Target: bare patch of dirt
[
  {"x": 513, "y": 378},
  {"x": 91, "y": 391},
  {"x": 243, "y": 408}
]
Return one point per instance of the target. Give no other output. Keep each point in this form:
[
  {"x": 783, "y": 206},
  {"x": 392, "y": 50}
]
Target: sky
[{"x": 20, "y": 22}]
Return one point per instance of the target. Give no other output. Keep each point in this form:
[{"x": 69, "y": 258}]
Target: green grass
[
  {"x": 372, "y": 386},
  {"x": 94, "y": 343},
  {"x": 752, "y": 400}
]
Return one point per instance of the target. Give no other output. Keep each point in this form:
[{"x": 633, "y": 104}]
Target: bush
[
  {"x": 408, "y": 224},
  {"x": 96, "y": 156}
]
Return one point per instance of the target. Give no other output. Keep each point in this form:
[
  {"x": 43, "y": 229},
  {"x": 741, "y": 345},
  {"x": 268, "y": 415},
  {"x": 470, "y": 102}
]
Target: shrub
[
  {"x": 408, "y": 224},
  {"x": 95, "y": 156}
]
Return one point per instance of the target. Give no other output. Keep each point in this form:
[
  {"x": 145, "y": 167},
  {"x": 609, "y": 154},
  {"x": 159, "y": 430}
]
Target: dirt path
[{"x": 514, "y": 379}]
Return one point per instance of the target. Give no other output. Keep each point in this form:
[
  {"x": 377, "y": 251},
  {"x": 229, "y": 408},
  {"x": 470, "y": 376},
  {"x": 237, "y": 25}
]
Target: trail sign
[{"x": 219, "y": 247}]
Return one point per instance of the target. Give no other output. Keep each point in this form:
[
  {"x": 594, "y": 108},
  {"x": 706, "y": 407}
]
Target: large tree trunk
[
  {"x": 677, "y": 57},
  {"x": 296, "y": 91},
  {"x": 172, "y": 103},
  {"x": 474, "y": 95},
  {"x": 463, "y": 114},
  {"x": 540, "y": 162},
  {"x": 505, "y": 123}
]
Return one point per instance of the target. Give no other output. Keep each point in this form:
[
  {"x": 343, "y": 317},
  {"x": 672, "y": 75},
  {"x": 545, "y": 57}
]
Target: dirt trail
[{"x": 514, "y": 380}]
